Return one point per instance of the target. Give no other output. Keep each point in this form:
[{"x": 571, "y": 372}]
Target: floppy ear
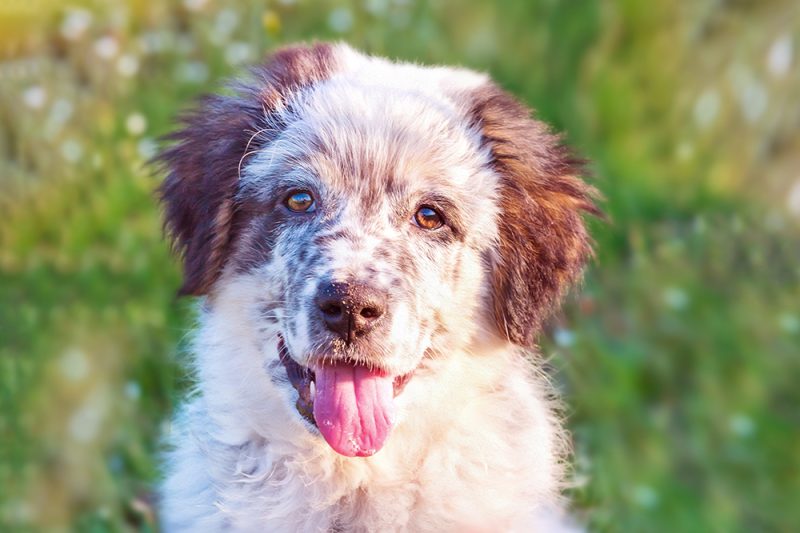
[
  {"x": 542, "y": 244},
  {"x": 199, "y": 192}
]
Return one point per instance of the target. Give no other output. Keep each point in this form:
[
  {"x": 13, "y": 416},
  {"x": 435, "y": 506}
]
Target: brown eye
[
  {"x": 429, "y": 218},
  {"x": 300, "y": 202}
]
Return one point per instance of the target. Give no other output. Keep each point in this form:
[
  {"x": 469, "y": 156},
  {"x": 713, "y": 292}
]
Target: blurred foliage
[{"x": 680, "y": 359}]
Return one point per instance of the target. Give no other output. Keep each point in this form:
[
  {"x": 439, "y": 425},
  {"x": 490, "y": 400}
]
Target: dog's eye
[
  {"x": 300, "y": 202},
  {"x": 427, "y": 217}
]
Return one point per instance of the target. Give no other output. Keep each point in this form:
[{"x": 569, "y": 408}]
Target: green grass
[{"x": 679, "y": 359}]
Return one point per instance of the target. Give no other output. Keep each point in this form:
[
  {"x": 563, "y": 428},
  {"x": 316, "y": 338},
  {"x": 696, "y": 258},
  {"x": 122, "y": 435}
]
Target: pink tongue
[{"x": 353, "y": 408}]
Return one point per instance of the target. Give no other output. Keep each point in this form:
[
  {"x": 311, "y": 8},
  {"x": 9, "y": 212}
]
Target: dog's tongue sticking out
[{"x": 353, "y": 408}]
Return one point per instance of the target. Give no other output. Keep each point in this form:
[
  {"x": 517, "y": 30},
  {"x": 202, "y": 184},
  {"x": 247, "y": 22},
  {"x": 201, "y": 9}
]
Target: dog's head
[{"x": 381, "y": 214}]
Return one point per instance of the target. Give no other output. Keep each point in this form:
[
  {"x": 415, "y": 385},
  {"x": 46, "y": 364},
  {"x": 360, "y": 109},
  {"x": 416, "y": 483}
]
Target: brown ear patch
[
  {"x": 200, "y": 211},
  {"x": 543, "y": 244}
]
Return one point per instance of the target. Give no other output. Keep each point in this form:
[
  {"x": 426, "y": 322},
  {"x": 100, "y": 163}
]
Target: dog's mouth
[{"x": 351, "y": 405}]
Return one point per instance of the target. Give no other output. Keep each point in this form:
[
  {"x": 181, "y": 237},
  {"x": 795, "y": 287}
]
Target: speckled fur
[{"x": 478, "y": 445}]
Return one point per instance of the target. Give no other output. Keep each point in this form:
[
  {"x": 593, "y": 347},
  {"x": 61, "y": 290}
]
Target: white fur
[{"x": 476, "y": 447}]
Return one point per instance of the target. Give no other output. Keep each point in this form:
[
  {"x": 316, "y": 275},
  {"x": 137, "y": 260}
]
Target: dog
[{"x": 377, "y": 245}]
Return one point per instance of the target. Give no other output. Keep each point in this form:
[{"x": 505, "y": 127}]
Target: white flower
[
  {"x": 135, "y": 124},
  {"x": 645, "y": 496},
  {"x": 340, "y": 19},
  {"x": 132, "y": 390},
  {"x": 74, "y": 364},
  {"x": 564, "y": 337},
  {"x": 84, "y": 424},
  {"x": 779, "y": 56},
  {"x": 147, "y": 148},
  {"x": 71, "y": 150},
  {"x": 753, "y": 101},
  {"x": 376, "y": 7},
  {"x": 128, "y": 65},
  {"x": 789, "y": 323},
  {"x": 227, "y": 20},
  {"x": 195, "y": 5},
  {"x": 750, "y": 92},
  {"x": 741, "y": 425},
  {"x": 238, "y": 53},
  {"x": 153, "y": 42},
  {"x": 106, "y": 47},
  {"x": 192, "y": 72},
  {"x": 34, "y": 97},
  {"x": 706, "y": 108},
  {"x": 675, "y": 298},
  {"x": 59, "y": 114},
  {"x": 793, "y": 199},
  {"x": 75, "y": 24}
]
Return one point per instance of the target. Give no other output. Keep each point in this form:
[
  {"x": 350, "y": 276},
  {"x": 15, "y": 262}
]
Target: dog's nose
[{"x": 350, "y": 310}]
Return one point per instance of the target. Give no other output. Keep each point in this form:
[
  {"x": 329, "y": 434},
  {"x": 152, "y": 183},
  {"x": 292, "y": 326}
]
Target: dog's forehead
[
  {"x": 379, "y": 140},
  {"x": 374, "y": 141}
]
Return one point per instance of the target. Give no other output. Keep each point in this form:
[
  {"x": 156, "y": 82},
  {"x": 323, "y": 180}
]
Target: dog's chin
[{"x": 349, "y": 403}]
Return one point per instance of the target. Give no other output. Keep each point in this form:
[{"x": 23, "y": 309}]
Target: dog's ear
[
  {"x": 542, "y": 243},
  {"x": 207, "y": 151}
]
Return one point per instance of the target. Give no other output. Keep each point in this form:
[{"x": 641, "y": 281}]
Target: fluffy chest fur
[
  {"x": 377, "y": 245},
  {"x": 482, "y": 450}
]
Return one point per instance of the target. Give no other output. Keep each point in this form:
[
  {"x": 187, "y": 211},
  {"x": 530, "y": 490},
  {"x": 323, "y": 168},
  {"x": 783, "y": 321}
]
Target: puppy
[{"x": 377, "y": 245}]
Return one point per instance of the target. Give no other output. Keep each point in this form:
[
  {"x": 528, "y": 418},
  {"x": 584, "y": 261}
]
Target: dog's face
[
  {"x": 384, "y": 214},
  {"x": 377, "y": 229}
]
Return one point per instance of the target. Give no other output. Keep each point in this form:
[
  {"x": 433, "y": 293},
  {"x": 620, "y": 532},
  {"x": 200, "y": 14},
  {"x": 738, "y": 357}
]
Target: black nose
[{"x": 350, "y": 310}]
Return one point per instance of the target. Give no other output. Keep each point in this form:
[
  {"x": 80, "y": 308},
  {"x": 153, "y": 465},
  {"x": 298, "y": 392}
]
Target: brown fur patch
[
  {"x": 543, "y": 243},
  {"x": 200, "y": 210}
]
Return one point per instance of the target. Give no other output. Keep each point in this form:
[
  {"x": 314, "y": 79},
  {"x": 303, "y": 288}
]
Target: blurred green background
[{"x": 679, "y": 360}]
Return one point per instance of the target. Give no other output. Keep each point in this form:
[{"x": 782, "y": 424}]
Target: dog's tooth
[{"x": 312, "y": 388}]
